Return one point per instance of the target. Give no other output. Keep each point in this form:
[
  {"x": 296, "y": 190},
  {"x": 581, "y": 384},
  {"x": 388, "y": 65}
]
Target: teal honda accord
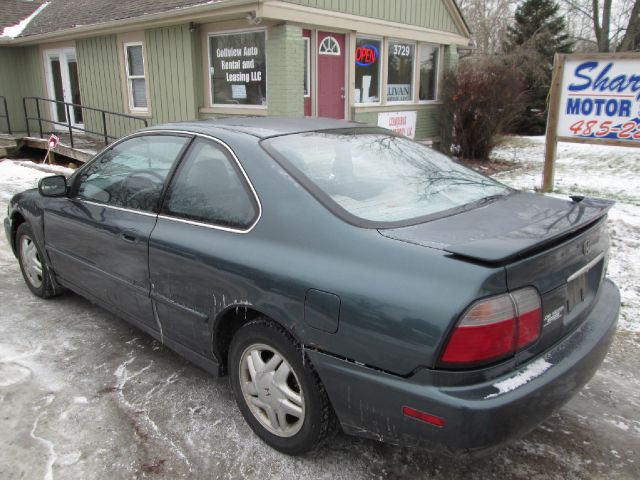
[{"x": 341, "y": 276}]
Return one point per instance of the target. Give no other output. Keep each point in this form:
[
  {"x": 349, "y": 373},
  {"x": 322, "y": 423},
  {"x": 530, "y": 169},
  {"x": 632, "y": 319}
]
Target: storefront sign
[
  {"x": 238, "y": 69},
  {"x": 399, "y": 92},
  {"x": 366, "y": 55},
  {"x": 403, "y": 123},
  {"x": 594, "y": 98},
  {"x": 600, "y": 99}
]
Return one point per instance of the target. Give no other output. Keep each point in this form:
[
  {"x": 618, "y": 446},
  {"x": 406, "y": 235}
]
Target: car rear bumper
[{"x": 479, "y": 416}]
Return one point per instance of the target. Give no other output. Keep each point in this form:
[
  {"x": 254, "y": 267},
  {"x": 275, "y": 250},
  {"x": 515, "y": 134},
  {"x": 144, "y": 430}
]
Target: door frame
[
  {"x": 314, "y": 63},
  {"x": 63, "y": 55}
]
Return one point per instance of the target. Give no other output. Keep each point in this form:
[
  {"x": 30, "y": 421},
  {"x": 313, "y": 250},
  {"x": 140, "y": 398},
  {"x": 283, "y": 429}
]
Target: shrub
[{"x": 481, "y": 99}]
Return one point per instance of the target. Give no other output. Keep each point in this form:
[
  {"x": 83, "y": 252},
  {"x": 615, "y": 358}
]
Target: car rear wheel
[
  {"x": 34, "y": 269},
  {"x": 280, "y": 397}
]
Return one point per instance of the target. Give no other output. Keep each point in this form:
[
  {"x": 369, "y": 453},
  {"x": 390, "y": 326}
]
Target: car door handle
[{"x": 128, "y": 237}]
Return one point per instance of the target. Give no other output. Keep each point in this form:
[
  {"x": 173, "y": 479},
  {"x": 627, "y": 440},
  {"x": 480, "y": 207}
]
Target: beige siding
[
  {"x": 21, "y": 75},
  {"x": 172, "y": 72},
  {"x": 422, "y": 13}
]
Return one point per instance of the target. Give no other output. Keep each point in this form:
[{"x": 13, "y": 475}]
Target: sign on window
[{"x": 238, "y": 69}]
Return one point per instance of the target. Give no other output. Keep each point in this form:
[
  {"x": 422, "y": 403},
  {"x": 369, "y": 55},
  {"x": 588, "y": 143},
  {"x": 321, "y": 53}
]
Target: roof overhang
[
  {"x": 290, "y": 12},
  {"x": 199, "y": 13},
  {"x": 272, "y": 9}
]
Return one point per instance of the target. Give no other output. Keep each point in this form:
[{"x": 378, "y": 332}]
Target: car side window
[
  {"x": 132, "y": 173},
  {"x": 210, "y": 188}
]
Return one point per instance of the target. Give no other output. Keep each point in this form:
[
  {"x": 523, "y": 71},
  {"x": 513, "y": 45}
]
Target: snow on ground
[{"x": 598, "y": 171}]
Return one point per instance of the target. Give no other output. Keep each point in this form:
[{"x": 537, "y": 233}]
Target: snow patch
[
  {"x": 14, "y": 31},
  {"x": 533, "y": 370},
  {"x": 596, "y": 171},
  {"x": 80, "y": 400}
]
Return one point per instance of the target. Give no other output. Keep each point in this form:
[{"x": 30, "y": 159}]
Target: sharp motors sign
[{"x": 600, "y": 99}]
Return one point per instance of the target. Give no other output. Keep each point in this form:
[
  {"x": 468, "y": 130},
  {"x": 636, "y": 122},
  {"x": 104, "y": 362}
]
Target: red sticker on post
[{"x": 53, "y": 142}]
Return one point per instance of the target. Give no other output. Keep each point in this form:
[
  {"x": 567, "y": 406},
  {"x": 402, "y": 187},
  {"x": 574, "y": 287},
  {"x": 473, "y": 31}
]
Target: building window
[
  {"x": 136, "y": 81},
  {"x": 329, "y": 46},
  {"x": 307, "y": 67},
  {"x": 368, "y": 63},
  {"x": 238, "y": 69},
  {"x": 428, "y": 73},
  {"x": 400, "y": 60}
]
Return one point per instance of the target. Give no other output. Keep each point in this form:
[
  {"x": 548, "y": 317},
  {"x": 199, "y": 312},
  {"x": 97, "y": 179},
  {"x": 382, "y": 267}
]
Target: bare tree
[
  {"x": 488, "y": 21},
  {"x": 631, "y": 39},
  {"x": 604, "y": 25}
]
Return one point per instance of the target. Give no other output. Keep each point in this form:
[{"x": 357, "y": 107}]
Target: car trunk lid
[{"x": 558, "y": 246}]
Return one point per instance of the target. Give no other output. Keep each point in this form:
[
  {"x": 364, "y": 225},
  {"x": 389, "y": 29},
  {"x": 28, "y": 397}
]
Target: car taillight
[{"x": 495, "y": 328}]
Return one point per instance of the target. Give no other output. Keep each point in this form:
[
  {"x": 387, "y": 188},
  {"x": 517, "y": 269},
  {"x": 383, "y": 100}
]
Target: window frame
[
  {"x": 307, "y": 79},
  {"x": 237, "y": 167},
  {"x": 414, "y": 75},
  {"x": 129, "y": 78},
  {"x": 75, "y": 178},
  {"x": 336, "y": 43},
  {"x": 381, "y": 73},
  {"x": 222, "y": 33},
  {"x": 437, "y": 79}
]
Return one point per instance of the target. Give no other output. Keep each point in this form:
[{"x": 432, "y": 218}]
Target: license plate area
[
  {"x": 577, "y": 290},
  {"x": 583, "y": 285}
]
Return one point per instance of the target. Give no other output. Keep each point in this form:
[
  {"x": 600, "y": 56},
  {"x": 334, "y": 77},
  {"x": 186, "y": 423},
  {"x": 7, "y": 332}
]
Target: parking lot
[{"x": 84, "y": 395}]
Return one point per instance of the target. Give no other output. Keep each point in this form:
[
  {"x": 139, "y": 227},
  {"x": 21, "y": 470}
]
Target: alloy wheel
[
  {"x": 31, "y": 261},
  {"x": 271, "y": 390}
]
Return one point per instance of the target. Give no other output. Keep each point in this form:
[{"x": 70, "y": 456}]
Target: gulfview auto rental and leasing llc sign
[{"x": 594, "y": 98}]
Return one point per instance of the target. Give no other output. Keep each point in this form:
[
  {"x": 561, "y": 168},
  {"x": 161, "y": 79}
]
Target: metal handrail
[
  {"x": 6, "y": 114},
  {"x": 70, "y": 127}
]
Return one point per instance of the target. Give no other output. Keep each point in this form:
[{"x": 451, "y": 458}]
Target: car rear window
[{"x": 379, "y": 177}]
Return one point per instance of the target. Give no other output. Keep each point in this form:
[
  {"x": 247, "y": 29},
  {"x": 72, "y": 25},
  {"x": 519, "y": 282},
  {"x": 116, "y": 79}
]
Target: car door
[
  {"x": 197, "y": 243},
  {"x": 97, "y": 238}
]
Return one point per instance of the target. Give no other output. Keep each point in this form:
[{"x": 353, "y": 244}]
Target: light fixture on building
[
  {"x": 253, "y": 18},
  {"x": 192, "y": 27}
]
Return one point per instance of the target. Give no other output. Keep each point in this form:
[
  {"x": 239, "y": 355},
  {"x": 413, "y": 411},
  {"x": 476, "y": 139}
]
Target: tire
[
  {"x": 282, "y": 400},
  {"x": 35, "y": 272}
]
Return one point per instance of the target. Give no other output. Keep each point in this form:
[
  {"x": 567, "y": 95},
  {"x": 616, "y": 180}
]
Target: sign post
[{"x": 594, "y": 99}]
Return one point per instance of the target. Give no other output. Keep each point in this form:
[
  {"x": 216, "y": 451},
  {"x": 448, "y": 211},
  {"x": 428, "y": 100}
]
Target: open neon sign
[{"x": 366, "y": 55}]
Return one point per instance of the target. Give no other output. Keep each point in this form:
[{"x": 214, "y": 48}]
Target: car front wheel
[
  {"x": 32, "y": 264},
  {"x": 280, "y": 397}
]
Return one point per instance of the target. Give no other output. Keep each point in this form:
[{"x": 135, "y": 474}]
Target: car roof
[{"x": 261, "y": 127}]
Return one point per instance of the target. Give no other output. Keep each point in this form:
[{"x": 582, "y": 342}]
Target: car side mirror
[{"x": 55, "y": 186}]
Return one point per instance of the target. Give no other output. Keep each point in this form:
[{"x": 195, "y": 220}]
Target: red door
[{"x": 331, "y": 92}]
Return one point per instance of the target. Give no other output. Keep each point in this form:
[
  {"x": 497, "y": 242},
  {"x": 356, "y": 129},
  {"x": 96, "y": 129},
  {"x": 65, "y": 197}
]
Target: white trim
[
  {"x": 63, "y": 55},
  {"x": 129, "y": 77},
  {"x": 328, "y": 39},
  {"x": 266, "y": 69},
  {"x": 380, "y": 70},
  {"x": 307, "y": 80}
]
